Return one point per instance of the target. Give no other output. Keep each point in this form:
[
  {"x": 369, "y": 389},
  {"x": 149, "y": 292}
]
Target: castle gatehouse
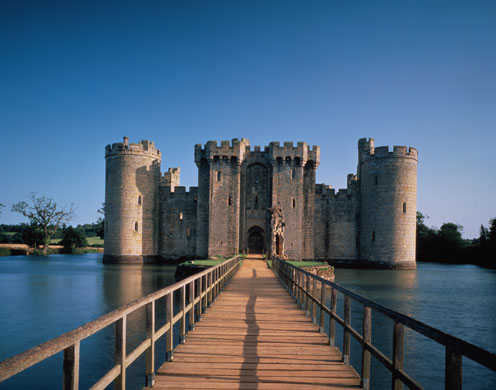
[{"x": 263, "y": 201}]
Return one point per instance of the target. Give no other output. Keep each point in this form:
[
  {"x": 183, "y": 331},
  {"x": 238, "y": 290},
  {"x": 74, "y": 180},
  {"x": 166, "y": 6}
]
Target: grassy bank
[
  {"x": 23, "y": 250},
  {"x": 297, "y": 263}
]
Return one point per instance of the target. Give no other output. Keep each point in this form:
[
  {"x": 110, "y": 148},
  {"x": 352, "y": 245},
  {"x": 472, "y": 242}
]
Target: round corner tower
[
  {"x": 131, "y": 202},
  {"x": 388, "y": 193}
]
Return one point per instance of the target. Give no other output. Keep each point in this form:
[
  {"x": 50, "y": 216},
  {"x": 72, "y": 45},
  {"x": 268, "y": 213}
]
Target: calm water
[
  {"x": 457, "y": 299},
  {"x": 40, "y": 298},
  {"x": 43, "y": 297}
]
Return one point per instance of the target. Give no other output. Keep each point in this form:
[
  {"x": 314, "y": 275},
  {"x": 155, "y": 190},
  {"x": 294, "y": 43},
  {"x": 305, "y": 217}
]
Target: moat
[{"x": 40, "y": 298}]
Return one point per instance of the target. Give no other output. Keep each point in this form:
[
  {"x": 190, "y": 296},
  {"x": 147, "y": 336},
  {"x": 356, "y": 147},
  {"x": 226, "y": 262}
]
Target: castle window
[
  {"x": 180, "y": 216},
  {"x": 229, "y": 201},
  {"x": 218, "y": 175},
  {"x": 404, "y": 207},
  {"x": 373, "y": 235},
  {"x": 288, "y": 160},
  {"x": 195, "y": 198},
  {"x": 294, "y": 202},
  {"x": 256, "y": 203},
  {"x": 294, "y": 173},
  {"x": 136, "y": 226},
  {"x": 139, "y": 199},
  {"x": 376, "y": 179},
  {"x": 188, "y": 233}
]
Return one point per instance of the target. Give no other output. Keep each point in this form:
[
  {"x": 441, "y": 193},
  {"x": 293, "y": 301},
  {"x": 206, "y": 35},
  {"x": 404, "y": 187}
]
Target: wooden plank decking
[{"x": 256, "y": 337}]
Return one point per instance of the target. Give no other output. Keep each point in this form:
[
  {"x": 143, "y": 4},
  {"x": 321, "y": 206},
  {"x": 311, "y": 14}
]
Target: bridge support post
[
  {"x": 398, "y": 353},
  {"x": 332, "y": 321},
  {"x": 314, "y": 304},
  {"x": 367, "y": 338},
  {"x": 169, "y": 337},
  {"x": 150, "y": 334},
  {"x": 322, "y": 304},
  {"x": 453, "y": 370},
  {"x": 120, "y": 352},
  {"x": 346, "y": 332},
  {"x": 70, "y": 379},
  {"x": 192, "y": 310},
  {"x": 182, "y": 309}
]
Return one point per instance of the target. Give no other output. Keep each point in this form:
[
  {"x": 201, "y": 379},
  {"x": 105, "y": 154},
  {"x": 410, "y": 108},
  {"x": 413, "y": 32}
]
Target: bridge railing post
[
  {"x": 367, "y": 338},
  {"x": 120, "y": 352},
  {"x": 70, "y": 374},
  {"x": 150, "y": 352},
  {"x": 332, "y": 321},
  {"x": 307, "y": 295},
  {"x": 398, "y": 354},
  {"x": 314, "y": 303},
  {"x": 182, "y": 310},
  {"x": 322, "y": 304},
  {"x": 169, "y": 337},
  {"x": 192, "y": 301},
  {"x": 346, "y": 332},
  {"x": 453, "y": 370},
  {"x": 200, "y": 301}
]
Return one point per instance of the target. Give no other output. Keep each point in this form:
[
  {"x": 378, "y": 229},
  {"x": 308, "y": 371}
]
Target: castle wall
[
  {"x": 309, "y": 210},
  {"x": 321, "y": 229},
  {"x": 388, "y": 183},
  {"x": 202, "y": 207},
  {"x": 343, "y": 230},
  {"x": 178, "y": 222},
  {"x": 131, "y": 202}
]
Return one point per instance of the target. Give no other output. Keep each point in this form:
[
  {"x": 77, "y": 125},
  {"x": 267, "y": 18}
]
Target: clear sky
[{"x": 78, "y": 75}]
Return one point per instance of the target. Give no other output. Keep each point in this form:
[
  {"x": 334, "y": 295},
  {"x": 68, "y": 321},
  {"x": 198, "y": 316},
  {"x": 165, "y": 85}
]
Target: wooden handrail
[
  {"x": 210, "y": 283},
  {"x": 297, "y": 281}
]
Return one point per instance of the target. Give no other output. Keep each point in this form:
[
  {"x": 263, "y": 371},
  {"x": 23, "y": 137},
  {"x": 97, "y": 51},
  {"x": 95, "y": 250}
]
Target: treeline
[
  {"x": 447, "y": 245},
  {"x": 32, "y": 235}
]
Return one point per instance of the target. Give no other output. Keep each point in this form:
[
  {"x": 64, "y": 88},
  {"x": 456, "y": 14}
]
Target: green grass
[
  {"x": 94, "y": 241},
  {"x": 204, "y": 263},
  {"x": 90, "y": 240},
  {"x": 302, "y": 263},
  {"x": 308, "y": 263}
]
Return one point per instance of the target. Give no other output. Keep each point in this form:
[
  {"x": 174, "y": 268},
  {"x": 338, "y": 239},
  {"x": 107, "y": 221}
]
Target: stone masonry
[{"x": 151, "y": 218}]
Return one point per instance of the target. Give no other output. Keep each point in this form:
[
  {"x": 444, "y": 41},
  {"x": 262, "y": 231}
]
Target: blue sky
[{"x": 75, "y": 76}]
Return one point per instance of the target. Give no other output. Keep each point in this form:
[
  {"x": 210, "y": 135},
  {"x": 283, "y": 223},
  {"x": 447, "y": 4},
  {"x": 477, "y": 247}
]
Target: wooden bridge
[{"x": 254, "y": 336}]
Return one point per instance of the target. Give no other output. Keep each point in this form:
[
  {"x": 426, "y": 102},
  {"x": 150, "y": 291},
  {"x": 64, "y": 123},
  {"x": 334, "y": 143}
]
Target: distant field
[
  {"x": 94, "y": 240},
  {"x": 90, "y": 240}
]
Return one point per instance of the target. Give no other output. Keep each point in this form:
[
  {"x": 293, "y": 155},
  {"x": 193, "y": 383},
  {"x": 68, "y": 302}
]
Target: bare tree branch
[{"x": 45, "y": 213}]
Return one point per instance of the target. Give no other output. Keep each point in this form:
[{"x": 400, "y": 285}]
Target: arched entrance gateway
[{"x": 256, "y": 240}]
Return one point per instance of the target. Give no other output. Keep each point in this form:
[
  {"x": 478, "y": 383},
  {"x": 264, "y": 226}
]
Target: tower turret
[
  {"x": 388, "y": 195},
  {"x": 131, "y": 202},
  {"x": 219, "y": 180}
]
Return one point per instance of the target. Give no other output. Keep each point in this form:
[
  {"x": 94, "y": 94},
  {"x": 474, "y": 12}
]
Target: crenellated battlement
[
  {"x": 327, "y": 193},
  {"x": 233, "y": 151},
  {"x": 171, "y": 177},
  {"x": 179, "y": 191},
  {"x": 143, "y": 148},
  {"x": 367, "y": 151},
  {"x": 302, "y": 152}
]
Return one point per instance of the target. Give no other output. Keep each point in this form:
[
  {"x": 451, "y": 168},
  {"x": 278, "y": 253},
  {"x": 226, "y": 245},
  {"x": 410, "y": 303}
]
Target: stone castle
[{"x": 261, "y": 200}]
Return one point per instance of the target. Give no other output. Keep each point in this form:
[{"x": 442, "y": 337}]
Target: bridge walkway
[{"x": 255, "y": 336}]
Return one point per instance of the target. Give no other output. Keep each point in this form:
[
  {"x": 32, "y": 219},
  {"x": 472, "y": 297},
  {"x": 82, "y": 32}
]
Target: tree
[
  {"x": 1, "y": 207},
  {"x": 491, "y": 236},
  {"x": 43, "y": 212},
  {"x": 101, "y": 222},
  {"x": 73, "y": 238}
]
